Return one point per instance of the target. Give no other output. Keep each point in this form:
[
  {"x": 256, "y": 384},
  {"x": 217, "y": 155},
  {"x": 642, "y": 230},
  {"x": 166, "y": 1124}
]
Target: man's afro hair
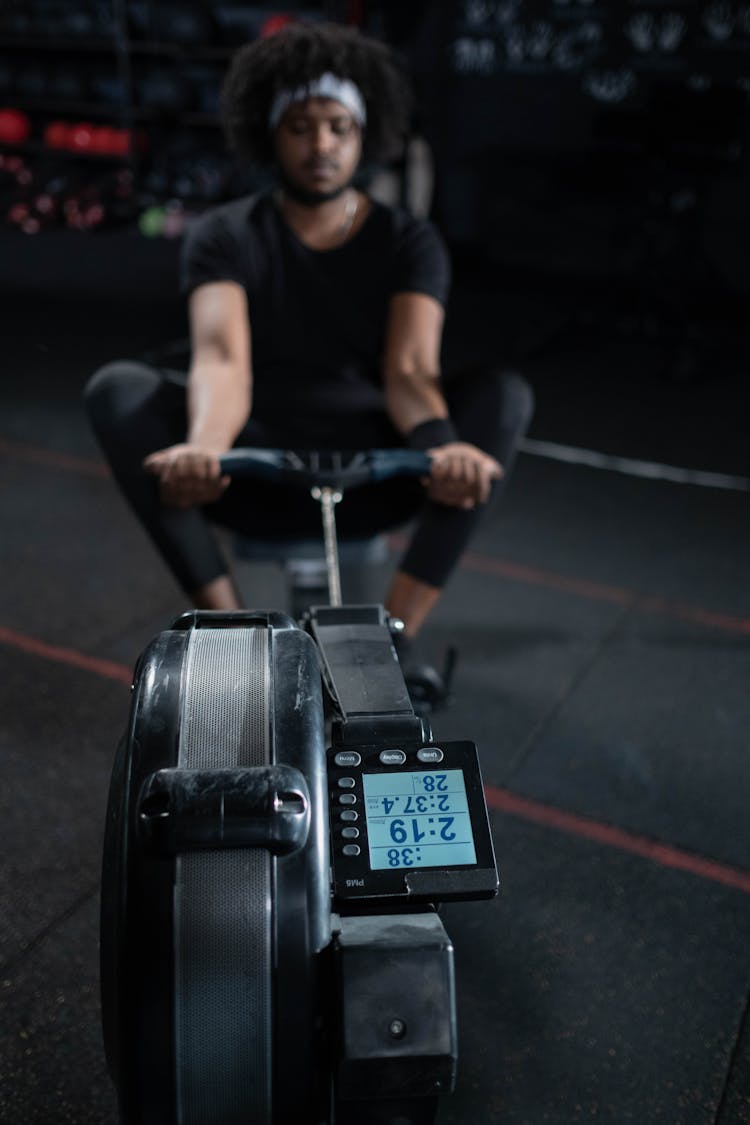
[{"x": 294, "y": 56}]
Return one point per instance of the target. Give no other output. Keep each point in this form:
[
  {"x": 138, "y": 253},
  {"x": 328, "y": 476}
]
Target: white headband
[{"x": 327, "y": 86}]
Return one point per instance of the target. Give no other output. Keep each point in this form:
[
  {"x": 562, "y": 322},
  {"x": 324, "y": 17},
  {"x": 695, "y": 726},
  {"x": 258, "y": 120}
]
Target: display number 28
[{"x": 435, "y": 781}]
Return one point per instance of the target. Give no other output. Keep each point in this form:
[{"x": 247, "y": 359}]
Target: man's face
[{"x": 318, "y": 146}]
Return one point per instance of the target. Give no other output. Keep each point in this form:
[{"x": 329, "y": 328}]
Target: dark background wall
[
  {"x": 590, "y": 158},
  {"x": 564, "y": 129}
]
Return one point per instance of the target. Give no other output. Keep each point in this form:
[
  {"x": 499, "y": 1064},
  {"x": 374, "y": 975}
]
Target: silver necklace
[
  {"x": 352, "y": 206},
  {"x": 347, "y": 221}
]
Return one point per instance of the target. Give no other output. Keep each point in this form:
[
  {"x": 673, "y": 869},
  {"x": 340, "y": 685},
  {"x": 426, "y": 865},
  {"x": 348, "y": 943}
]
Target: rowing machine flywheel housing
[{"x": 216, "y": 913}]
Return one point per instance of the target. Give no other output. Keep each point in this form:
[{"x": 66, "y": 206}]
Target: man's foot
[
  {"x": 221, "y": 593},
  {"x": 411, "y": 601}
]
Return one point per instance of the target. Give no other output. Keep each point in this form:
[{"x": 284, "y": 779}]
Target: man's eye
[
  {"x": 298, "y": 124},
  {"x": 341, "y": 128}
]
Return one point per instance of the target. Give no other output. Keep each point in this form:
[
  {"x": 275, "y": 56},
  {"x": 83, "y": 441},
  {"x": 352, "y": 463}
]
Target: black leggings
[{"x": 136, "y": 409}]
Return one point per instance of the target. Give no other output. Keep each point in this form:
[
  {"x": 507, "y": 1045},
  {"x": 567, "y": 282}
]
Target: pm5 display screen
[{"x": 418, "y": 819}]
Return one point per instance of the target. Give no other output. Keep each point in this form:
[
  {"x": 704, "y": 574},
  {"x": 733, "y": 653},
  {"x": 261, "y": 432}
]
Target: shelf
[
  {"x": 186, "y": 51},
  {"x": 58, "y": 108},
  {"x": 38, "y": 148},
  {"x": 200, "y": 120},
  {"x": 34, "y": 43},
  {"x": 122, "y": 116},
  {"x": 121, "y": 58}
]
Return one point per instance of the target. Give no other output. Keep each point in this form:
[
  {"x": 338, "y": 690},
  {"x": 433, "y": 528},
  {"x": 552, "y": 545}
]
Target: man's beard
[{"x": 307, "y": 197}]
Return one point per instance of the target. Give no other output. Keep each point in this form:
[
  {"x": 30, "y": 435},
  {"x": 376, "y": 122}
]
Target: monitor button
[
  {"x": 347, "y": 799},
  {"x": 346, "y": 783},
  {"x": 350, "y": 833},
  {"x": 350, "y": 849},
  {"x": 349, "y": 814},
  {"x": 430, "y": 754},
  {"x": 392, "y": 757},
  {"x": 348, "y": 758}
]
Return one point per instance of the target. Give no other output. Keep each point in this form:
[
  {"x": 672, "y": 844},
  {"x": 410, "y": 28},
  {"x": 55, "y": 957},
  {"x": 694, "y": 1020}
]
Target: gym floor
[{"x": 602, "y": 620}]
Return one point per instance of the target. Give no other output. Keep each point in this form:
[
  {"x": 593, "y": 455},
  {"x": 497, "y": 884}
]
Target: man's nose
[{"x": 323, "y": 138}]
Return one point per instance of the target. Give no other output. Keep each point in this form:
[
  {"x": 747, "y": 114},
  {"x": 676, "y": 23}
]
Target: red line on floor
[
  {"x": 532, "y": 576},
  {"x": 664, "y": 854},
  {"x": 108, "y": 668},
  {"x": 695, "y": 614},
  {"x": 37, "y": 456},
  {"x": 501, "y": 799},
  {"x": 595, "y": 591}
]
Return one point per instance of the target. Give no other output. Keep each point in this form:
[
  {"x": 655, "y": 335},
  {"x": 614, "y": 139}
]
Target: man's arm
[
  {"x": 219, "y": 383},
  {"x": 461, "y": 473},
  {"x": 411, "y": 361},
  {"x": 219, "y": 396}
]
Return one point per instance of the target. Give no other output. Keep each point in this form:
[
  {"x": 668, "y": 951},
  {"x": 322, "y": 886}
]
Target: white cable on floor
[{"x": 648, "y": 469}]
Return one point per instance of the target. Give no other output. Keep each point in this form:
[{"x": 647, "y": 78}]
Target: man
[{"x": 316, "y": 317}]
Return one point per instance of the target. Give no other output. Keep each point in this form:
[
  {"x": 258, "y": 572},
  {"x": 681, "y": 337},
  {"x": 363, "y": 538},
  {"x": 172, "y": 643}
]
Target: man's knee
[
  {"x": 116, "y": 390},
  {"x": 516, "y": 400}
]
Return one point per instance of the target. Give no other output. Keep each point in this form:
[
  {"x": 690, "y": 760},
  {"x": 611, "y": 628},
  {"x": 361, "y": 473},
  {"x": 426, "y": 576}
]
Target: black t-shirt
[{"x": 317, "y": 316}]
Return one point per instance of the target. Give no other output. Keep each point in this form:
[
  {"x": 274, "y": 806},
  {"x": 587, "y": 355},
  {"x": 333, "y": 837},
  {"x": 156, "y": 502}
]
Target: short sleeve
[
  {"x": 422, "y": 263},
  {"x": 209, "y": 252}
]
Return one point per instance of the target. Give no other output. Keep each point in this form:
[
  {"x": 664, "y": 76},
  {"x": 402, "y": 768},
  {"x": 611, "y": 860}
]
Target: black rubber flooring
[{"x": 603, "y": 623}]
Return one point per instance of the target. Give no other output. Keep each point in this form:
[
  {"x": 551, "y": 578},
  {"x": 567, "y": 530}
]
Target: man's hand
[
  {"x": 189, "y": 475},
  {"x": 461, "y": 475}
]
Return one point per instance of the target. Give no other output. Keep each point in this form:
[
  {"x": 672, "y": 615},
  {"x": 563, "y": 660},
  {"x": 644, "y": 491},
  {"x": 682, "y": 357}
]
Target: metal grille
[{"x": 222, "y": 898}]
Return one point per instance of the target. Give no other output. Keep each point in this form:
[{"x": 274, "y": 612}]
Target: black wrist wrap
[{"x": 433, "y": 432}]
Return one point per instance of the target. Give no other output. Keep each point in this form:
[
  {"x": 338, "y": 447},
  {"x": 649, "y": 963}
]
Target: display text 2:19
[{"x": 400, "y": 831}]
